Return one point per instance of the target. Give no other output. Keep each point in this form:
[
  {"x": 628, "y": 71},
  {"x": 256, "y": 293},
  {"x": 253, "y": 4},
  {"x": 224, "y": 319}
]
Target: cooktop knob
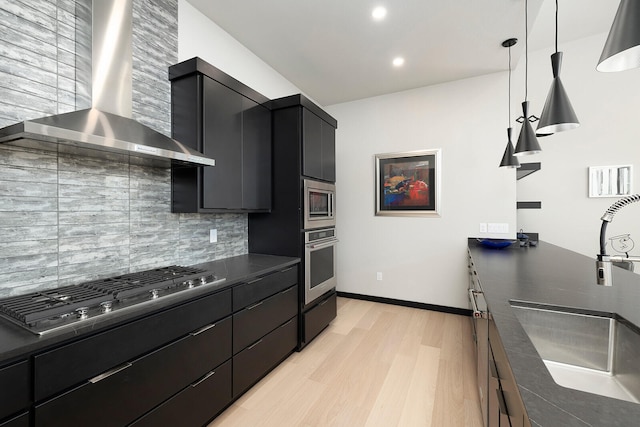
[
  {"x": 155, "y": 293},
  {"x": 106, "y": 306},
  {"x": 203, "y": 280},
  {"x": 189, "y": 284},
  {"x": 82, "y": 312}
]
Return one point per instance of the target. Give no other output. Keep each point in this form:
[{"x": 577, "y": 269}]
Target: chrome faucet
[{"x": 604, "y": 261}]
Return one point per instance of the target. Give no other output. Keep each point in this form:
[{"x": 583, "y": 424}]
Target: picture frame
[
  {"x": 610, "y": 181},
  {"x": 408, "y": 183}
]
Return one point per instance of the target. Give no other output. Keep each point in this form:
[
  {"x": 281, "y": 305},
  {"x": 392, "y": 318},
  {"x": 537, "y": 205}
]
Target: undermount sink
[{"x": 592, "y": 353}]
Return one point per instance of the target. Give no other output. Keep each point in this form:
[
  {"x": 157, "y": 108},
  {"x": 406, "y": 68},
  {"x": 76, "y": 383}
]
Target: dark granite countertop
[
  {"x": 16, "y": 342},
  {"x": 549, "y": 274}
]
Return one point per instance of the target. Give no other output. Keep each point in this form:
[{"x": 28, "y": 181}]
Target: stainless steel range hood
[{"x": 108, "y": 125}]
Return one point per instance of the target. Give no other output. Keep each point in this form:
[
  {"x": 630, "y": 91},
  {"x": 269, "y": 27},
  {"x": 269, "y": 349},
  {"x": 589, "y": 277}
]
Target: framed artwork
[
  {"x": 610, "y": 181},
  {"x": 408, "y": 184}
]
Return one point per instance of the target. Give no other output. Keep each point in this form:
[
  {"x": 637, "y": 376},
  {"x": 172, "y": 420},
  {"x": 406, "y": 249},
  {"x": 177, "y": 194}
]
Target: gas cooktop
[{"x": 45, "y": 311}]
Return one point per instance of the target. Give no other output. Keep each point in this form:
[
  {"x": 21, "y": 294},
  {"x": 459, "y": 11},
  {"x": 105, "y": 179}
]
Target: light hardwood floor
[{"x": 375, "y": 365}]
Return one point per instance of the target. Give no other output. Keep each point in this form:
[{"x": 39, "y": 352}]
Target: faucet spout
[{"x": 604, "y": 261}]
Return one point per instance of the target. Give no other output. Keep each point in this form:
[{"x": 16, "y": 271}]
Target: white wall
[
  {"x": 422, "y": 259},
  {"x": 199, "y": 36},
  {"x": 607, "y": 105}
]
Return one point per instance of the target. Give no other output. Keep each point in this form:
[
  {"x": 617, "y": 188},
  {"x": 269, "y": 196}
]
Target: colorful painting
[{"x": 408, "y": 183}]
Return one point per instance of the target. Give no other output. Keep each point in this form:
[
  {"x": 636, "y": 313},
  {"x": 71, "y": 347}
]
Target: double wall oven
[{"x": 320, "y": 240}]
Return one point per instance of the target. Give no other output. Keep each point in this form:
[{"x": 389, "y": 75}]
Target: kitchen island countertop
[{"x": 549, "y": 274}]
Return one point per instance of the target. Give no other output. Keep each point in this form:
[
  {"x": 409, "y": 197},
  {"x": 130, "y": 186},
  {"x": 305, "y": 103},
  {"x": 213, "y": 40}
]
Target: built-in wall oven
[
  {"x": 319, "y": 204},
  {"x": 320, "y": 263}
]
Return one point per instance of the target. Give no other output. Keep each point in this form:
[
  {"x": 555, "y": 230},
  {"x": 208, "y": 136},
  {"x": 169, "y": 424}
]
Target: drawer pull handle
[
  {"x": 255, "y": 305},
  {"x": 323, "y": 302},
  {"x": 286, "y": 269},
  {"x": 293, "y": 288},
  {"x": 290, "y": 320},
  {"x": 110, "y": 372},
  {"x": 254, "y": 281},
  {"x": 254, "y": 344},
  {"x": 203, "y": 379},
  {"x": 203, "y": 329}
]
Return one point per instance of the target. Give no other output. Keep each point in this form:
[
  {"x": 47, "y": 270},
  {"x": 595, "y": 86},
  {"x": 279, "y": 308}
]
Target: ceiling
[{"x": 335, "y": 52}]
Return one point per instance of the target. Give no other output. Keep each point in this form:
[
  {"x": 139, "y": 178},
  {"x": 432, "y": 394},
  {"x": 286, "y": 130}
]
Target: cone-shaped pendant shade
[
  {"x": 622, "y": 49},
  {"x": 508, "y": 159},
  {"x": 527, "y": 141},
  {"x": 557, "y": 114}
]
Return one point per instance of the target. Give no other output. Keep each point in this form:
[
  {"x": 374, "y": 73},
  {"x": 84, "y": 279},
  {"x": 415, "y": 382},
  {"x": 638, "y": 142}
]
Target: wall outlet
[
  {"x": 213, "y": 235},
  {"x": 378, "y": 276},
  {"x": 483, "y": 227}
]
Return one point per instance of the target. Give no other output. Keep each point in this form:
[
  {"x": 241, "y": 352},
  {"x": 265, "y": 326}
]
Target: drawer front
[
  {"x": 319, "y": 317},
  {"x": 255, "y": 361},
  {"x": 128, "y": 391},
  {"x": 15, "y": 382},
  {"x": 195, "y": 405},
  {"x": 21, "y": 420},
  {"x": 66, "y": 366},
  {"x": 252, "y": 323},
  {"x": 256, "y": 290}
]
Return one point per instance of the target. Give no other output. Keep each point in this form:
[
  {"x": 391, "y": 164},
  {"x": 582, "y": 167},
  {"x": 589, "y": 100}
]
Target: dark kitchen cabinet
[
  {"x": 196, "y": 404},
  {"x": 318, "y": 147},
  {"x": 230, "y": 122},
  {"x": 128, "y": 391},
  {"x": 69, "y": 365},
  {"x": 15, "y": 386},
  {"x": 315, "y": 319},
  {"x": 309, "y": 131},
  {"x": 255, "y": 361},
  {"x": 265, "y": 327}
]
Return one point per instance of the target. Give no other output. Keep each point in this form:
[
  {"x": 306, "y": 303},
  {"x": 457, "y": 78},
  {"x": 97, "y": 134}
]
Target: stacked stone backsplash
[{"x": 70, "y": 215}]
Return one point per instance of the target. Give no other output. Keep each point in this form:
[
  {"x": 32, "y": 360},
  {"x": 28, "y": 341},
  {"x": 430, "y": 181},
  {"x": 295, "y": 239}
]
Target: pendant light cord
[
  {"x": 526, "y": 48},
  {"x": 509, "y": 117},
  {"x": 556, "y": 26}
]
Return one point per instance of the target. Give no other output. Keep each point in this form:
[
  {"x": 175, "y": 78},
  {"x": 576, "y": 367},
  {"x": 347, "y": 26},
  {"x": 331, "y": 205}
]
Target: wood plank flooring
[{"x": 375, "y": 365}]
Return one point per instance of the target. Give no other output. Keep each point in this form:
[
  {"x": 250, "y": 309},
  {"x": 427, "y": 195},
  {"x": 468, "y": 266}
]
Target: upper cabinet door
[
  {"x": 328, "y": 152},
  {"x": 256, "y": 151},
  {"x": 318, "y": 147},
  {"x": 222, "y": 140},
  {"x": 311, "y": 144}
]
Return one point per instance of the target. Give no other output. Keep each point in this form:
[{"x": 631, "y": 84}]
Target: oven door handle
[{"x": 322, "y": 245}]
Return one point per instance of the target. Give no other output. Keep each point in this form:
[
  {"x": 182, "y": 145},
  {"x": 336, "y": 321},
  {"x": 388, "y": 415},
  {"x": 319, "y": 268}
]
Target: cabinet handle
[
  {"x": 323, "y": 302},
  {"x": 255, "y": 305},
  {"x": 203, "y": 329},
  {"x": 254, "y": 344},
  {"x": 493, "y": 369},
  {"x": 288, "y": 290},
  {"x": 203, "y": 379},
  {"x": 501, "y": 403},
  {"x": 290, "y": 320},
  {"x": 107, "y": 374},
  {"x": 254, "y": 280},
  {"x": 286, "y": 269}
]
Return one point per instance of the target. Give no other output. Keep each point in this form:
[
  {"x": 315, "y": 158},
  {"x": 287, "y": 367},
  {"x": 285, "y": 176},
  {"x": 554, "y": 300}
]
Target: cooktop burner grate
[{"x": 40, "y": 305}]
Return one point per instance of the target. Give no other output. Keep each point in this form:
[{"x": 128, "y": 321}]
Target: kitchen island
[{"x": 554, "y": 276}]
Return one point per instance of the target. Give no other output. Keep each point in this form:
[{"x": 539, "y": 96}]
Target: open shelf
[{"x": 527, "y": 169}]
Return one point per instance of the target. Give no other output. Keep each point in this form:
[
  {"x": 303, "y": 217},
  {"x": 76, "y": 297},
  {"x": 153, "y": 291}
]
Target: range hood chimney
[{"x": 108, "y": 125}]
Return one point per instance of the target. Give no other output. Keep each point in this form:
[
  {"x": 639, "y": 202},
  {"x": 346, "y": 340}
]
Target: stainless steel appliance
[
  {"x": 53, "y": 309},
  {"x": 320, "y": 263},
  {"x": 319, "y": 204}
]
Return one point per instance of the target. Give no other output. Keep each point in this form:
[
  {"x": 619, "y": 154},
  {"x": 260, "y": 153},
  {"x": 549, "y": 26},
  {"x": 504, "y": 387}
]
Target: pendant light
[
  {"x": 527, "y": 141},
  {"x": 508, "y": 159},
  {"x": 557, "y": 114},
  {"x": 622, "y": 49}
]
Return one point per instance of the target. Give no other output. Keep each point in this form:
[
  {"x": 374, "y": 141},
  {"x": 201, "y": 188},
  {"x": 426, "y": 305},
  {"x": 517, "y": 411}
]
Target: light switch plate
[
  {"x": 483, "y": 227},
  {"x": 213, "y": 235}
]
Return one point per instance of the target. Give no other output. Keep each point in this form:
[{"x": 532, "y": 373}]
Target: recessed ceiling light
[
  {"x": 398, "y": 62},
  {"x": 379, "y": 13}
]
